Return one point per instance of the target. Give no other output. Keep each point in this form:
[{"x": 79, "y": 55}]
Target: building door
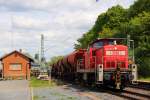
[
  {"x": 1, "y": 73},
  {"x": 1, "y": 70}
]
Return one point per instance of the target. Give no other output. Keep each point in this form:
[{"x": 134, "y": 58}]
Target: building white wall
[{"x": 0, "y": 65}]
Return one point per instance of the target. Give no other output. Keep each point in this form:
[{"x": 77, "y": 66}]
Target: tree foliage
[
  {"x": 105, "y": 26},
  {"x": 118, "y": 22},
  {"x": 36, "y": 56},
  {"x": 55, "y": 59},
  {"x": 138, "y": 7}
]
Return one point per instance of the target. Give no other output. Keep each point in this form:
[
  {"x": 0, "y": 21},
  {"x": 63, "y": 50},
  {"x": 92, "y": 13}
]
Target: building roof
[{"x": 29, "y": 58}]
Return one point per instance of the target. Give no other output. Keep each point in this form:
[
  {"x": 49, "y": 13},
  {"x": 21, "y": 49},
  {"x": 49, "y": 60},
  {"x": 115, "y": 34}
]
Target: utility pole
[
  {"x": 130, "y": 44},
  {"x": 128, "y": 41},
  {"x": 133, "y": 58},
  {"x": 42, "y": 58}
]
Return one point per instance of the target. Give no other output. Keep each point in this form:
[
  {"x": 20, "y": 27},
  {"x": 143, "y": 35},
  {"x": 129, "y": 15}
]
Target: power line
[{"x": 12, "y": 34}]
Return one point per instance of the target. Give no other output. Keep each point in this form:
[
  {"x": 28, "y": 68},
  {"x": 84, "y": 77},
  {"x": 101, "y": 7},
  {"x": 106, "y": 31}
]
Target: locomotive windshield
[
  {"x": 98, "y": 44},
  {"x": 102, "y": 42},
  {"x": 111, "y": 42}
]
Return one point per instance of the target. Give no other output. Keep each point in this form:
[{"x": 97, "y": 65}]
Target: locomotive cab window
[
  {"x": 98, "y": 44},
  {"x": 110, "y": 42}
]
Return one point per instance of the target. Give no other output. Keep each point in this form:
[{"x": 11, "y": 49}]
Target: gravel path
[
  {"x": 58, "y": 93},
  {"x": 14, "y": 90},
  {"x": 76, "y": 92},
  {"x": 71, "y": 92}
]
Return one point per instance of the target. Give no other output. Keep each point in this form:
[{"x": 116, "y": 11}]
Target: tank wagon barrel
[{"x": 70, "y": 62}]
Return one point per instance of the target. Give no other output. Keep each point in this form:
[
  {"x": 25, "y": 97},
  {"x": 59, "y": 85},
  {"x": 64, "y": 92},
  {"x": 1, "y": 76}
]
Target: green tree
[
  {"x": 106, "y": 25},
  {"x": 118, "y": 22},
  {"x": 138, "y": 7},
  {"x": 36, "y": 57},
  {"x": 141, "y": 34},
  {"x": 54, "y": 59}
]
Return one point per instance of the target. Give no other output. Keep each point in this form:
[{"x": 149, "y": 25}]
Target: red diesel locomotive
[{"x": 105, "y": 62}]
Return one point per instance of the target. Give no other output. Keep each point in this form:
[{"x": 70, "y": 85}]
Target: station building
[{"x": 16, "y": 65}]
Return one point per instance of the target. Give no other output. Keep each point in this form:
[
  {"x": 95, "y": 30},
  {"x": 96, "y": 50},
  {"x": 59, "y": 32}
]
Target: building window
[{"x": 15, "y": 66}]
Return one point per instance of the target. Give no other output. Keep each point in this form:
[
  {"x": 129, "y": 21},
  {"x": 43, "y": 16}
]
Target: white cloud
[
  {"x": 24, "y": 4},
  {"x": 26, "y": 22},
  {"x": 55, "y": 5},
  {"x": 61, "y": 21}
]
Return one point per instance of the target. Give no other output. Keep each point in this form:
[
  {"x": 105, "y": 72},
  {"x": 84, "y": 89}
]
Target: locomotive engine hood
[{"x": 116, "y": 54}]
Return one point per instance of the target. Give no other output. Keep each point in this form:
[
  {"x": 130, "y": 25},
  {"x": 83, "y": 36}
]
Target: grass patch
[
  {"x": 144, "y": 79},
  {"x": 34, "y": 82},
  {"x": 71, "y": 98},
  {"x": 38, "y": 97}
]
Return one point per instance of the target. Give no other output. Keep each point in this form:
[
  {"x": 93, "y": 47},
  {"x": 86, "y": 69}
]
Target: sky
[{"x": 61, "y": 22}]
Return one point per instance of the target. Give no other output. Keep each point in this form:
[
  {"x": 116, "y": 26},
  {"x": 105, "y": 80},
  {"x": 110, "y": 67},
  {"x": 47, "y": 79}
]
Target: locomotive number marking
[{"x": 121, "y": 53}]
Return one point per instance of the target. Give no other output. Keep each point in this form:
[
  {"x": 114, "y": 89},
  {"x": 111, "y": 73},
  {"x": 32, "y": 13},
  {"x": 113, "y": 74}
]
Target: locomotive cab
[{"x": 111, "y": 62}]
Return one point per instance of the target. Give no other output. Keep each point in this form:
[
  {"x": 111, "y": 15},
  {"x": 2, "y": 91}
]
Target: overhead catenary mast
[{"x": 42, "y": 58}]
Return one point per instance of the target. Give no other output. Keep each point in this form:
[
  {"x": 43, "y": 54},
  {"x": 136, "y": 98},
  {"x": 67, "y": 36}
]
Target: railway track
[
  {"x": 139, "y": 91},
  {"x": 145, "y": 85},
  {"x": 130, "y": 93}
]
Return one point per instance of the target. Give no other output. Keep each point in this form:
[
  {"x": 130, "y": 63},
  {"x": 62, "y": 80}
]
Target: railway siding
[{"x": 145, "y": 85}]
